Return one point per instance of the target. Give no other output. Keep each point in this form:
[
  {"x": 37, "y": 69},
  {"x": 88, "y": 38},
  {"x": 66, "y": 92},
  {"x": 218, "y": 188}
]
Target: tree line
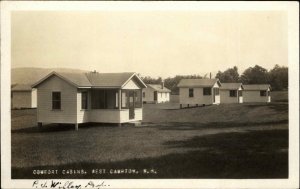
[{"x": 276, "y": 77}]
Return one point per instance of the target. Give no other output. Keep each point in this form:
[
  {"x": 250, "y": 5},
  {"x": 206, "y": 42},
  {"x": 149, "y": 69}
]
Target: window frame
[
  {"x": 205, "y": 89},
  {"x": 234, "y": 94},
  {"x": 240, "y": 92},
  {"x": 216, "y": 91},
  {"x": 137, "y": 104},
  {"x": 86, "y": 101},
  {"x": 56, "y": 100},
  {"x": 103, "y": 104},
  {"x": 263, "y": 93},
  {"x": 191, "y": 92}
]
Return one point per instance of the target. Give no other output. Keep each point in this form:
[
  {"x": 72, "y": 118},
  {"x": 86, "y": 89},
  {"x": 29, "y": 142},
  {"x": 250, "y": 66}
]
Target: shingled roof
[
  {"x": 198, "y": 82},
  {"x": 21, "y": 87},
  {"x": 231, "y": 86},
  {"x": 159, "y": 88},
  {"x": 255, "y": 87},
  {"x": 95, "y": 79}
]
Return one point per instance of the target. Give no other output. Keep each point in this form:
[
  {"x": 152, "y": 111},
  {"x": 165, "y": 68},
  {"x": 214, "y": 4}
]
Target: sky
[{"x": 152, "y": 43}]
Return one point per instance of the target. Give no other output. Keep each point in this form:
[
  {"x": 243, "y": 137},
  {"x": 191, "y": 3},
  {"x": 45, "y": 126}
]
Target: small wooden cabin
[
  {"x": 231, "y": 93},
  {"x": 195, "y": 92},
  {"x": 155, "y": 93},
  {"x": 23, "y": 96},
  {"x": 89, "y": 97},
  {"x": 257, "y": 93}
]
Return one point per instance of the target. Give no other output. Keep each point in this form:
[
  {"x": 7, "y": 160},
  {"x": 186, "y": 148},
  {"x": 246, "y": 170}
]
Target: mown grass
[
  {"x": 256, "y": 154},
  {"x": 225, "y": 141}
]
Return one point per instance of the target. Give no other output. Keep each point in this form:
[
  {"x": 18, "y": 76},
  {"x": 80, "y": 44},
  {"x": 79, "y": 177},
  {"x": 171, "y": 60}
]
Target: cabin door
[
  {"x": 155, "y": 95},
  {"x": 131, "y": 105},
  {"x": 214, "y": 95}
]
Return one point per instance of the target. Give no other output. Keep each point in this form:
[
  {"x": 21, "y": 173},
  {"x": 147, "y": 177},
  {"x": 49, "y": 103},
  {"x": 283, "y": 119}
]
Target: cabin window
[
  {"x": 263, "y": 93},
  {"x": 207, "y": 91},
  {"x": 56, "y": 101},
  {"x": 124, "y": 99},
  {"x": 191, "y": 92},
  {"x": 216, "y": 91},
  {"x": 137, "y": 98},
  {"x": 117, "y": 100},
  {"x": 240, "y": 93},
  {"x": 84, "y": 100},
  {"x": 269, "y": 93},
  {"x": 232, "y": 93},
  {"x": 144, "y": 94},
  {"x": 104, "y": 99}
]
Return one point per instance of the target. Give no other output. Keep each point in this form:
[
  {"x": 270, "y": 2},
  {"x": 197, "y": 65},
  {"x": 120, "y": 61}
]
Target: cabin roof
[
  {"x": 231, "y": 86},
  {"x": 21, "y": 87},
  {"x": 158, "y": 88},
  {"x": 95, "y": 79},
  {"x": 255, "y": 87},
  {"x": 198, "y": 82}
]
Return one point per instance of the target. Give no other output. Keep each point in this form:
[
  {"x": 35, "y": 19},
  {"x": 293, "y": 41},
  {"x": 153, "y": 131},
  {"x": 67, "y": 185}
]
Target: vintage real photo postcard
[{"x": 149, "y": 95}]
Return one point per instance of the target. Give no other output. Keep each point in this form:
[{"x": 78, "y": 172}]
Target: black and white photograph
[{"x": 100, "y": 94}]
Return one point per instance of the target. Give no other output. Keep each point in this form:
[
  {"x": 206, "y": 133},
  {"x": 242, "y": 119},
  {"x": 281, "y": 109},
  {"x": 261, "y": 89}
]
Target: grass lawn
[{"x": 225, "y": 141}]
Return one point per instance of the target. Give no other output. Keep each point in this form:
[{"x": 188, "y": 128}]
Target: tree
[
  {"x": 255, "y": 75},
  {"x": 279, "y": 78},
  {"x": 150, "y": 80},
  {"x": 229, "y": 75}
]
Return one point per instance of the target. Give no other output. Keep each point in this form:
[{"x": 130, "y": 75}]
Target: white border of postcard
[{"x": 292, "y": 8}]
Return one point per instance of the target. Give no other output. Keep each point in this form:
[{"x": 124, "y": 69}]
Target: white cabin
[
  {"x": 257, "y": 93},
  {"x": 195, "y": 92},
  {"x": 231, "y": 93},
  {"x": 23, "y": 96},
  {"x": 89, "y": 97},
  {"x": 155, "y": 93}
]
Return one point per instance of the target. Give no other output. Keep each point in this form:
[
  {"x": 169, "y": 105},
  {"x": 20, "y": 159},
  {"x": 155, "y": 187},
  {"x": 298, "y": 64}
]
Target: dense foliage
[{"x": 276, "y": 77}]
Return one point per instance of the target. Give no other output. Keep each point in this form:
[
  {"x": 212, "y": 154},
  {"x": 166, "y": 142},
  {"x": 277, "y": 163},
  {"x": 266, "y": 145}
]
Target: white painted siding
[
  {"x": 124, "y": 115},
  {"x": 21, "y": 99},
  {"x": 226, "y": 98},
  {"x": 163, "y": 97},
  {"x": 254, "y": 96},
  {"x": 33, "y": 98},
  {"x": 198, "y": 98},
  {"x": 104, "y": 115},
  {"x": 83, "y": 115},
  {"x": 114, "y": 116},
  {"x": 241, "y": 99},
  {"x": 131, "y": 85},
  {"x": 24, "y": 99},
  {"x": 68, "y": 112},
  {"x": 217, "y": 99},
  {"x": 71, "y": 111},
  {"x": 149, "y": 95}
]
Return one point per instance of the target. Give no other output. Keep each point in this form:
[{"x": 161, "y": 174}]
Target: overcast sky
[{"x": 155, "y": 43}]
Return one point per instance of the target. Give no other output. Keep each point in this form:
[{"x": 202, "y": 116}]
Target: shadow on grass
[
  {"x": 279, "y": 107},
  {"x": 202, "y": 126},
  {"x": 61, "y": 127},
  {"x": 249, "y": 155}
]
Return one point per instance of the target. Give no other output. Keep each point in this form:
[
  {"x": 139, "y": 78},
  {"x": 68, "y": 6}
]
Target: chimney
[
  {"x": 162, "y": 84},
  {"x": 209, "y": 75}
]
